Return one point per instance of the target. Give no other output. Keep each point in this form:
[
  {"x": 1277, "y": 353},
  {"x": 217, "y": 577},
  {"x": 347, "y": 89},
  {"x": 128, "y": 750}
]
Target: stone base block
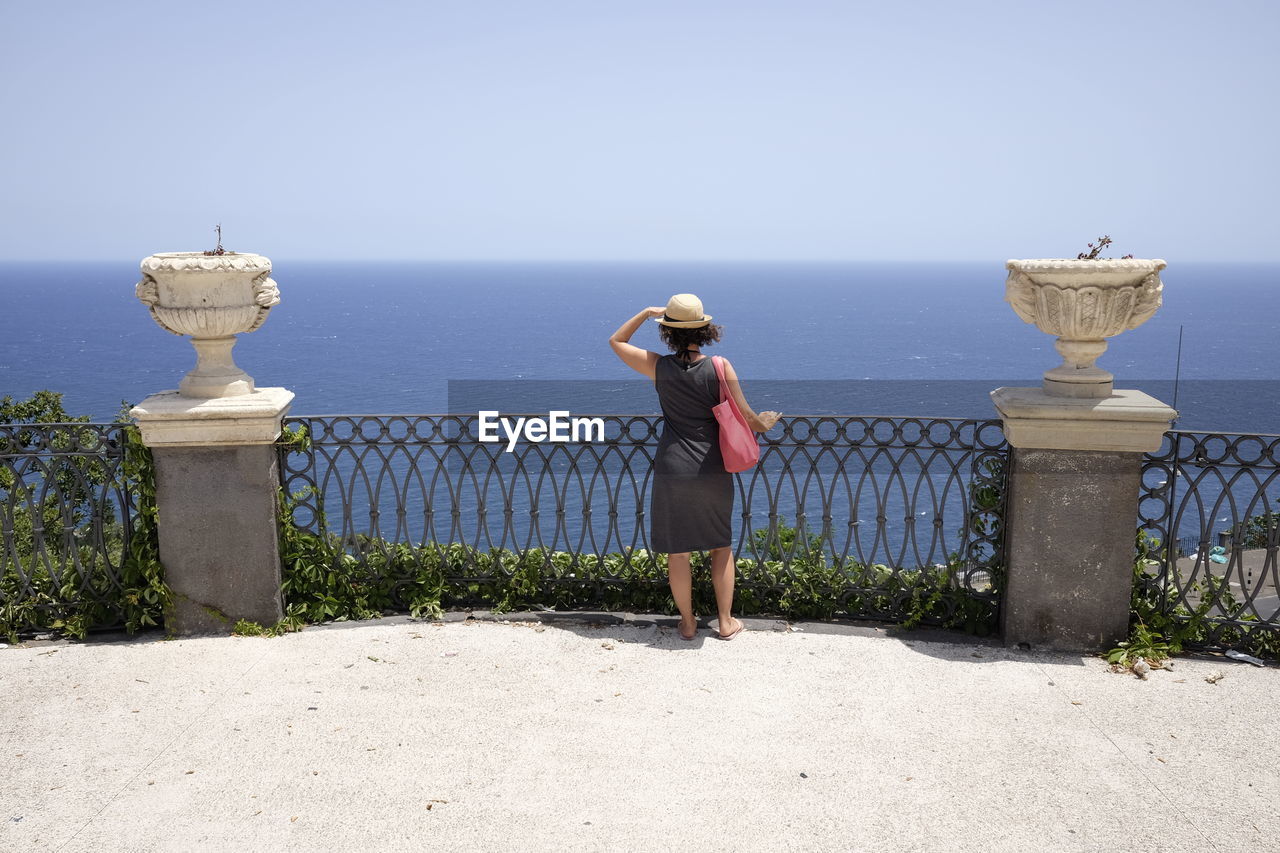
[
  {"x": 1072, "y": 517},
  {"x": 218, "y": 536}
]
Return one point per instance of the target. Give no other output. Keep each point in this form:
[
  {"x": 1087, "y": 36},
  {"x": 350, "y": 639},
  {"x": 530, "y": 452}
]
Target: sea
[{"x": 905, "y": 339}]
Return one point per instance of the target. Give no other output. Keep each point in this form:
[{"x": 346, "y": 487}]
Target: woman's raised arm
[
  {"x": 762, "y": 422},
  {"x": 639, "y": 360}
]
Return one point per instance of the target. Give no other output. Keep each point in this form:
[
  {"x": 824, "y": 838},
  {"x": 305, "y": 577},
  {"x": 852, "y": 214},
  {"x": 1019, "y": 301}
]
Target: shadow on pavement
[{"x": 654, "y": 630}]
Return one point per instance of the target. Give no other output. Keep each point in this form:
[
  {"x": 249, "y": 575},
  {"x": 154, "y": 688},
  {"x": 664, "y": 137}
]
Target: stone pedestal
[
  {"x": 216, "y": 488},
  {"x": 1073, "y": 513}
]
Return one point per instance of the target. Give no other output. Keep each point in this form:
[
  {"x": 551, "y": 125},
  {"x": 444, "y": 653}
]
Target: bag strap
[{"x": 719, "y": 365}]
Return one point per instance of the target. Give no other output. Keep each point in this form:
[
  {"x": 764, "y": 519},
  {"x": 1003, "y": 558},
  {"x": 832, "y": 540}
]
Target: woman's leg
[
  {"x": 680, "y": 577},
  {"x": 722, "y": 573}
]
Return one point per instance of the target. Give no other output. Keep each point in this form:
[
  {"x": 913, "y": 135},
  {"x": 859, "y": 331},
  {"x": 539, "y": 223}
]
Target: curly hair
[{"x": 681, "y": 339}]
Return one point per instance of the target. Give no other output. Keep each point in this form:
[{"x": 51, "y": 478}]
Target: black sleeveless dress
[{"x": 691, "y": 502}]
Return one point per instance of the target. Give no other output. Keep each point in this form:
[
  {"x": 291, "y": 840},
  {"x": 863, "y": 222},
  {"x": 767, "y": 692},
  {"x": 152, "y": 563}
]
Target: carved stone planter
[
  {"x": 1083, "y": 303},
  {"x": 212, "y": 298}
]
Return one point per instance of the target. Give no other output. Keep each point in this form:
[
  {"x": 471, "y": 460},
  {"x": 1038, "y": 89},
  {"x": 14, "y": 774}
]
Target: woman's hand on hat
[{"x": 656, "y": 310}]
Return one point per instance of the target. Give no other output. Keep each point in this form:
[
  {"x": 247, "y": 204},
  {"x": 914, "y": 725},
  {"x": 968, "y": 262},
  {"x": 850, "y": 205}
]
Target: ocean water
[{"x": 854, "y": 339}]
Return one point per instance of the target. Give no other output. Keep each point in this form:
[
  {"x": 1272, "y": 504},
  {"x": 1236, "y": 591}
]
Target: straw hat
[{"x": 684, "y": 311}]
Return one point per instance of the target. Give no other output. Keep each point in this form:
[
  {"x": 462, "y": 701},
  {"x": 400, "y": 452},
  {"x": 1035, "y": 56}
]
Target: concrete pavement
[{"x": 571, "y": 735}]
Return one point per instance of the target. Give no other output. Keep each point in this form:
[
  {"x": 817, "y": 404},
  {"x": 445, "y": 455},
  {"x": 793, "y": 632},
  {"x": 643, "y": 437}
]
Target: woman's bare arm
[
  {"x": 639, "y": 360},
  {"x": 762, "y": 422}
]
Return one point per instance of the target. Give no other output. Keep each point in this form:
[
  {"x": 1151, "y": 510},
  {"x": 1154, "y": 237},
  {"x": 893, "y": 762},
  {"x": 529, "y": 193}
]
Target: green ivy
[
  {"x": 324, "y": 582},
  {"x": 1158, "y": 631},
  {"x": 144, "y": 594},
  {"x": 32, "y": 599}
]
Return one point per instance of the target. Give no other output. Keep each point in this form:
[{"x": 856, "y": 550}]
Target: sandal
[{"x": 735, "y": 632}]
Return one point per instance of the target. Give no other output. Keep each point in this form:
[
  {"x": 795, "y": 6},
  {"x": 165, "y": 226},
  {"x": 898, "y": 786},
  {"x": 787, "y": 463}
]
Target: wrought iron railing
[
  {"x": 1209, "y": 513},
  {"x": 883, "y": 511},
  {"x": 66, "y": 522}
]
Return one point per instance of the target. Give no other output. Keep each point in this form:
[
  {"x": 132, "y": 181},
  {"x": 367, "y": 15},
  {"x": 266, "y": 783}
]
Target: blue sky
[{"x": 649, "y": 130}]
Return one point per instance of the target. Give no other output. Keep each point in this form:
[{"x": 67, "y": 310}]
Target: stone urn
[
  {"x": 1083, "y": 302},
  {"x": 212, "y": 298}
]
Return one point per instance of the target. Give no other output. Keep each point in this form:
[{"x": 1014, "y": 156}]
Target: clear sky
[{"x": 644, "y": 129}]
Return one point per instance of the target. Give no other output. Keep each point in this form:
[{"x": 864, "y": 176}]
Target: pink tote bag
[{"x": 737, "y": 440}]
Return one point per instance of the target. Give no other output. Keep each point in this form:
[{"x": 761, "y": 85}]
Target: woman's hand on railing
[{"x": 765, "y": 421}]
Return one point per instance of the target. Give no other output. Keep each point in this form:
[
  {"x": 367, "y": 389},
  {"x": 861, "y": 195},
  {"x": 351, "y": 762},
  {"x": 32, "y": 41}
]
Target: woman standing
[{"x": 691, "y": 505}]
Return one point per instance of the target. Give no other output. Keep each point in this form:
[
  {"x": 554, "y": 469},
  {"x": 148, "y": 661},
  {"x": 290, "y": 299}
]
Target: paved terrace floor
[{"x": 568, "y": 735}]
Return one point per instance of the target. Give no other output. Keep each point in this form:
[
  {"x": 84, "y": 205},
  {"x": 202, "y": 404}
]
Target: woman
[{"x": 692, "y": 499}]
